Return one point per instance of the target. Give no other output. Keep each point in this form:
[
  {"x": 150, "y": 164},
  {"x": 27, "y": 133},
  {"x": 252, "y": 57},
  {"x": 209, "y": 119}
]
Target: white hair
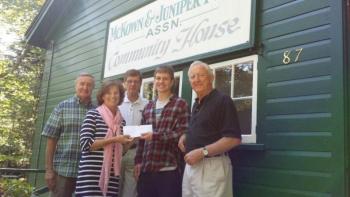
[{"x": 202, "y": 64}]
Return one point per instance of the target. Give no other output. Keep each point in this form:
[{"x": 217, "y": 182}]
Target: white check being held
[{"x": 137, "y": 131}]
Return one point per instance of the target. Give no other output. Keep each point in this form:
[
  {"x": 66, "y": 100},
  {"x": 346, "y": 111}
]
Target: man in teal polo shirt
[{"x": 62, "y": 132}]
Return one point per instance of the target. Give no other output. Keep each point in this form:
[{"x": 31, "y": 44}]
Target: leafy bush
[{"x": 15, "y": 188}]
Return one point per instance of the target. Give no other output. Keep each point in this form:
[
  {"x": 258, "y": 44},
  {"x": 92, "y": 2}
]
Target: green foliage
[
  {"x": 15, "y": 188},
  {"x": 19, "y": 13},
  {"x": 20, "y": 76},
  {"x": 19, "y": 83}
]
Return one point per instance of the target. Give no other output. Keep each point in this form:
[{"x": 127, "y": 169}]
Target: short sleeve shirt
[
  {"x": 64, "y": 125},
  {"x": 132, "y": 111},
  {"x": 212, "y": 118}
]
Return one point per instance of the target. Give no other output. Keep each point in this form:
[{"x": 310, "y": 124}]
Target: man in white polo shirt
[{"x": 131, "y": 110}]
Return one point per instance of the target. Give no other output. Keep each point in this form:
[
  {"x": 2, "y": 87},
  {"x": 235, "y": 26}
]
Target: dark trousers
[{"x": 159, "y": 184}]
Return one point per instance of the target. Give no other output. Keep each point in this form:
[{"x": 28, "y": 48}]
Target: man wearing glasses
[{"x": 131, "y": 110}]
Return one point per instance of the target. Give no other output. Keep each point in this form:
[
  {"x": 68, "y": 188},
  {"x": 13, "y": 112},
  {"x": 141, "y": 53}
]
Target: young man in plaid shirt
[{"x": 158, "y": 160}]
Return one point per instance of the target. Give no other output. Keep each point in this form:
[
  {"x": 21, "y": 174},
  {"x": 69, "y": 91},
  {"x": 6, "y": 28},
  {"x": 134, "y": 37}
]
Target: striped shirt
[
  {"x": 162, "y": 151},
  {"x": 93, "y": 128},
  {"x": 64, "y": 125}
]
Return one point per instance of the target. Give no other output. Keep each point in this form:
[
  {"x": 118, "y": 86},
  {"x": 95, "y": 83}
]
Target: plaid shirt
[
  {"x": 64, "y": 125},
  {"x": 162, "y": 151}
]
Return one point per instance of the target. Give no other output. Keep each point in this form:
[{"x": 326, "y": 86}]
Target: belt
[{"x": 218, "y": 155}]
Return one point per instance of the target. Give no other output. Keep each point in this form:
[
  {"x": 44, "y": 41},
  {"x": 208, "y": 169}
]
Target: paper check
[{"x": 136, "y": 131}]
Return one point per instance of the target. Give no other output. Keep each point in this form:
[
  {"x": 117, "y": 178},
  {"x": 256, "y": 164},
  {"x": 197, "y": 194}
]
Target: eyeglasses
[{"x": 132, "y": 81}]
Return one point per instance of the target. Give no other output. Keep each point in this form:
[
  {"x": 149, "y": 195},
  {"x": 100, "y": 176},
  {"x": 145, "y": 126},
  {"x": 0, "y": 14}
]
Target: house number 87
[{"x": 288, "y": 55}]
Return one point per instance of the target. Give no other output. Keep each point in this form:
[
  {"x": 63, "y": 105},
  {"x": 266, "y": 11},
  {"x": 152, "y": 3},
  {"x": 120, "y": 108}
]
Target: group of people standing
[{"x": 185, "y": 154}]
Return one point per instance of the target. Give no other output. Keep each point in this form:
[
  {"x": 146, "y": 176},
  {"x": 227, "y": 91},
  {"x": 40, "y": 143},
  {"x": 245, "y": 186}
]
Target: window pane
[
  {"x": 243, "y": 80},
  {"x": 223, "y": 79},
  {"x": 244, "y": 112},
  {"x": 148, "y": 90}
]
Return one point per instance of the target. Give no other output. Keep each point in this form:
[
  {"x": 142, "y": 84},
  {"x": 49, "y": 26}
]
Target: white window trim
[
  {"x": 252, "y": 137},
  {"x": 151, "y": 79},
  {"x": 146, "y": 80},
  {"x": 180, "y": 75}
]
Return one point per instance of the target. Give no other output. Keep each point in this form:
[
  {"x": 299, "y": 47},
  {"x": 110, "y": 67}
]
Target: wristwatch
[{"x": 205, "y": 151}]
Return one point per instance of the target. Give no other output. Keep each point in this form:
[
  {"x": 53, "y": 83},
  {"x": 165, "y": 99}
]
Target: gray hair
[
  {"x": 85, "y": 74},
  {"x": 202, "y": 64}
]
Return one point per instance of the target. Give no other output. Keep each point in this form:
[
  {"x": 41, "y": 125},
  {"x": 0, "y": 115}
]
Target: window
[
  {"x": 238, "y": 79},
  {"x": 147, "y": 88},
  {"x": 148, "y": 92}
]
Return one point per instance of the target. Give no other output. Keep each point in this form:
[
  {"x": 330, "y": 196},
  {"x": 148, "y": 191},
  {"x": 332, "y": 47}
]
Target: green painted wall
[
  {"x": 79, "y": 40},
  {"x": 300, "y": 104}
]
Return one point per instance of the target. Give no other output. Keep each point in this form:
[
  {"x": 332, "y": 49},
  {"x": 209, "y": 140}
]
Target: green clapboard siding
[
  {"x": 300, "y": 105},
  {"x": 79, "y": 47},
  {"x": 300, "y": 115}
]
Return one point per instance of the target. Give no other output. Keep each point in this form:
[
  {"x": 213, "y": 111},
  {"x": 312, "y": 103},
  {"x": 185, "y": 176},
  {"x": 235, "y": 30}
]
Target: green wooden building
[{"x": 285, "y": 64}]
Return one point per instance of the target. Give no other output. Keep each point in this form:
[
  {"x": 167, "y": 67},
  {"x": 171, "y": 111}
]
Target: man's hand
[
  {"x": 50, "y": 179},
  {"x": 194, "y": 156},
  {"x": 181, "y": 143},
  {"x": 137, "y": 171},
  {"x": 147, "y": 136}
]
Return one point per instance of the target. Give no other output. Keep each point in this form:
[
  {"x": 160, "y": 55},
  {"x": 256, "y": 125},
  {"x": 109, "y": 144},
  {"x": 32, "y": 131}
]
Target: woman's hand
[{"x": 123, "y": 139}]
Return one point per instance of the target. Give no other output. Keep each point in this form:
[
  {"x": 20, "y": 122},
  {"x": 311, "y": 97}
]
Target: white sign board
[{"x": 171, "y": 30}]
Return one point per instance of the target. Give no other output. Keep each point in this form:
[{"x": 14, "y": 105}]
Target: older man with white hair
[{"x": 213, "y": 131}]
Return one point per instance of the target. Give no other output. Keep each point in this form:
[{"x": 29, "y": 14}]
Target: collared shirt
[
  {"x": 132, "y": 111},
  {"x": 213, "y": 118},
  {"x": 64, "y": 125},
  {"x": 162, "y": 151}
]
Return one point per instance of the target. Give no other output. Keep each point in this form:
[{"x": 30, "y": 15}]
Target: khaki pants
[
  {"x": 211, "y": 177},
  {"x": 65, "y": 186},
  {"x": 128, "y": 183}
]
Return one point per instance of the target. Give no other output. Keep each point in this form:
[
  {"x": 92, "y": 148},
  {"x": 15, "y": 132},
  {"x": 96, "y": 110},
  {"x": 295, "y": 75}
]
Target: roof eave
[{"x": 38, "y": 32}]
